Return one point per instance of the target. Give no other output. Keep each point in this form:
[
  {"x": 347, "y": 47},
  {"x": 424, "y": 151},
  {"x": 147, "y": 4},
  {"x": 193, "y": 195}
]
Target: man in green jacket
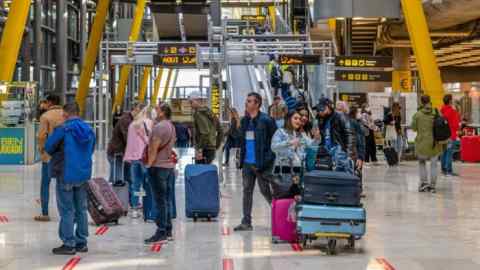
[
  {"x": 425, "y": 146},
  {"x": 207, "y": 131}
]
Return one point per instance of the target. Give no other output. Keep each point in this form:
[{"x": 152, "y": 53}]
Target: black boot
[{"x": 64, "y": 250}]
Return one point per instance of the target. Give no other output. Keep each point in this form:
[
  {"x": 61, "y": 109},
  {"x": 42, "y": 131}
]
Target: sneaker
[
  {"x": 81, "y": 248},
  {"x": 42, "y": 218},
  {"x": 156, "y": 238},
  {"x": 243, "y": 227},
  {"x": 64, "y": 250},
  {"x": 170, "y": 236},
  {"x": 424, "y": 188}
]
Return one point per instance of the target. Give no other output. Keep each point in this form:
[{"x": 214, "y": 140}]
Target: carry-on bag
[
  {"x": 391, "y": 155},
  {"x": 312, "y": 219},
  {"x": 331, "y": 188},
  {"x": 283, "y": 227},
  {"x": 318, "y": 158},
  {"x": 104, "y": 205},
  {"x": 202, "y": 194},
  {"x": 123, "y": 193}
]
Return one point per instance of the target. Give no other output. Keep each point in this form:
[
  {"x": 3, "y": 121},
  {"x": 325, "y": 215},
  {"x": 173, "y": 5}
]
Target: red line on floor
[
  {"x": 101, "y": 230},
  {"x": 156, "y": 247},
  {"x": 227, "y": 264},
  {"x": 71, "y": 263},
  {"x": 3, "y": 219},
  {"x": 296, "y": 247},
  {"x": 225, "y": 231},
  {"x": 386, "y": 265}
]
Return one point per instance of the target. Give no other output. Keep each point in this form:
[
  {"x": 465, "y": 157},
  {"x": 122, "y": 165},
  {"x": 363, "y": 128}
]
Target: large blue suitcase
[
  {"x": 312, "y": 219},
  {"x": 331, "y": 188},
  {"x": 202, "y": 194}
]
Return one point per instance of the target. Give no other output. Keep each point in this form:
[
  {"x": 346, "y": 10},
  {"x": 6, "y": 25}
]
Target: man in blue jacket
[
  {"x": 256, "y": 156},
  {"x": 71, "y": 146}
]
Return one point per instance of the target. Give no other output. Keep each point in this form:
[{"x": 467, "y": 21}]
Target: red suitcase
[
  {"x": 470, "y": 148},
  {"x": 104, "y": 205},
  {"x": 283, "y": 228}
]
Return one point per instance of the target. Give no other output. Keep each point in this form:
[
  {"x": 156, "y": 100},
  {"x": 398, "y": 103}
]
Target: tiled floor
[{"x": 409, "y": 230}]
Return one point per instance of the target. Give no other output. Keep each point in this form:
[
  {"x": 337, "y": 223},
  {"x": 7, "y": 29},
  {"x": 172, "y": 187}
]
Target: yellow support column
[
  {"x": 92, "y": 52},
  {"x": 143, "y": 85},
  {"x": 12, "y": 38},
  {"x": 125, "y": 71},
  {"x": 272, "y": 14},
  {"x": 423, "y": 49},
  {"x": 156, "y": 88},
  {"x": 167, "y": 84}
]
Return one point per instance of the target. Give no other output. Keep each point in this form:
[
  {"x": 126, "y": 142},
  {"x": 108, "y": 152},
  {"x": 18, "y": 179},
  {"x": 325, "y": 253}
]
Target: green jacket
[
  {"x": 422, "y": 123},
  {"x": 207, "y": 133}
]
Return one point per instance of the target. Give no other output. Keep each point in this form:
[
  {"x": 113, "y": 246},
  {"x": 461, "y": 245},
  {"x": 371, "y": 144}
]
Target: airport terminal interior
[{"x": 397, "y": 81}]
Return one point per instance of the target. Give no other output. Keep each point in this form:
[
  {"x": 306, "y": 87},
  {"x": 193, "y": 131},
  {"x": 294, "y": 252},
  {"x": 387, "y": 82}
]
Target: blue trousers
[
  {"x": 139, "y": 178},
  {"x": 341, "y": 160},
  {"x": 72, "y": 208},
  {"x": 45, "y": 188},
  {"x": 160, "y": 181},
  {"x": 447, "y": 158}
]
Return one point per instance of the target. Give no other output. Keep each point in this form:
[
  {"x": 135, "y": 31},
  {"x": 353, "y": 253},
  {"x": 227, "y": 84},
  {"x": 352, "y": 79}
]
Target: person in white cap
[{"x": 207, "y": 131}]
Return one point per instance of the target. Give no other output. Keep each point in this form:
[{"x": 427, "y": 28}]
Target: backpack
[
  {"x": 275, "y": 76},
  {"x": 441, "y": 129}
]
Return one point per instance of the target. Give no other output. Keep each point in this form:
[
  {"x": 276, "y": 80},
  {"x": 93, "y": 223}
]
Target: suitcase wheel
[
  {"x": 351, "y": 242},
  {"x": 209, "y": 218},
  {"x": 195, "y": 217},
  {"x": 331, "y": 246}
]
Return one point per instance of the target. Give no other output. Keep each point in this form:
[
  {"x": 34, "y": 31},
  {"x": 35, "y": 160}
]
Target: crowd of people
[{"x": 141, "y": 152}]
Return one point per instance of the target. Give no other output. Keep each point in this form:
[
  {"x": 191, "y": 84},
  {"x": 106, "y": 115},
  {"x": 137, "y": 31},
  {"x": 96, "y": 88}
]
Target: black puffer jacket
[{"x": 342, "y": 132}]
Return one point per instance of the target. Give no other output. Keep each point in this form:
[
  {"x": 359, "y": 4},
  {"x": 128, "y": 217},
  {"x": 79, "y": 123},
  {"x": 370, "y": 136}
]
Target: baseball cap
[
  {"x": 322, "y": 104},
  {"x": 195, "y": 95}
]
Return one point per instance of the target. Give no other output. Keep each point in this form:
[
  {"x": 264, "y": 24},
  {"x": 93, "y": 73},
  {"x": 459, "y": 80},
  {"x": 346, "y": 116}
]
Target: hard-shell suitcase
[
  {"x": 202, "y": 194},
  {"x": 104, "y": 205},
  {"x": 331, "y": 188},
  {"x": 470, "y": 148},
  {"x": 283, "y": 228},
  {"x": 313, "y": 219},
  {"x": 391, "y": 156}
]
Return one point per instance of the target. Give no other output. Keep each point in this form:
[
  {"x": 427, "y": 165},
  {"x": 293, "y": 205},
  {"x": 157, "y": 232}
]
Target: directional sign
[
  {"x": 187, "y": 61},
  {"x": 294, "y": 59},
  {"x": 363, "y": 76},
  {"x": 363, "y": 61},
  {"x": 177, "y": 48}
]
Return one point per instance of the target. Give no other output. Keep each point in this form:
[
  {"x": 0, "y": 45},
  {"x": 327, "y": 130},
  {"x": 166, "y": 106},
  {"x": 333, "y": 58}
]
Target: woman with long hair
[
  {"x": 306, "y": 125},
  {"x": 370, "y": 144},
  {"x": 393, "y": 120},
  {"x": 233, "y": 135},
  {"x": 137, "y": 140}
]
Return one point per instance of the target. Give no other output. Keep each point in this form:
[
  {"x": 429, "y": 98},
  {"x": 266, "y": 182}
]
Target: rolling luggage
[
  {"x": 331, "y": 188},
  {"x": 313, "y": 219},
  {"x": 391, "y": 155},
  {"x": 470, "y": 148},
  {"x": 202, "y": 194},
  {"x": 121, "y": 189},
  {"x": 317, "y": 158},
  {"x": 104, "y": 205},
  {"x": 283, "y": 228}
]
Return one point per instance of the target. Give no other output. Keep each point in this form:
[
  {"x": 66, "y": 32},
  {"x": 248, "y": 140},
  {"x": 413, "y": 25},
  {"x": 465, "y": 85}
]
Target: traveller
[
  {"x": 207, "y": 130},
  {"x": 357, "y": 126},
  {"x": 370, "y": 144},
  {"x": 278, "y": 111},
  {"x": 42, "y": 108},
  {"x": 49, "y": 120},
  {"x": 137, "y": 140},
  {"x": 289, "y": 145},
  {"x": 394, "y": 133},
  {"x": 118, "y": 143},
  {"x": 425, "y": 146},
  {"x": 337, "y": 136},
  {"x": 183, "y": 135},
  {"x": 256, "y": 156},
  {"x": 233, "y": 135},
  {"x": 341, "y": 107},
  {"x": 287, "y": 80},
  {"x": 306, "y": 126},
  {"x": 72, "y": 146},
  {"x": 453, "y": 117},
  {"x": 275, "y": 74},
  {"x": 117, "y": 115},
  {"x": 161, "y": 172}
]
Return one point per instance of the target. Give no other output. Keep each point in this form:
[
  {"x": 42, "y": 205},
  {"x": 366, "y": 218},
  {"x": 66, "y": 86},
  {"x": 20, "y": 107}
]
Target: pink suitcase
[
  {"x": 283, "y": 229},
  {"x": 104, "y": 205}
]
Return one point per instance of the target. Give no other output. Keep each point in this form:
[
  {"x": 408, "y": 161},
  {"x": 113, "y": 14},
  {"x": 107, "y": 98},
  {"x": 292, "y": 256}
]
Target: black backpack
[{"x": 441, "y": 129}]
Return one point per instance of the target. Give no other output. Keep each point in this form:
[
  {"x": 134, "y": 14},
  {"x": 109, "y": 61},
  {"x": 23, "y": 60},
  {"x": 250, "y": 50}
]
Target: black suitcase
[
  {"x": 331, "y": 188},
  {"x": 391, "y": 156}
]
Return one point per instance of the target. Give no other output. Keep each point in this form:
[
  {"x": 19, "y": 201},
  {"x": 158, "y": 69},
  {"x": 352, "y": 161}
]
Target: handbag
[{"x": 145, "y": 157}]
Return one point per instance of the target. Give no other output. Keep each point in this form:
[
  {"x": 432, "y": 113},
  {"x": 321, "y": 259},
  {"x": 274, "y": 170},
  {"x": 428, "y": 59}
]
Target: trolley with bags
[{"x": 330, "y": 206}]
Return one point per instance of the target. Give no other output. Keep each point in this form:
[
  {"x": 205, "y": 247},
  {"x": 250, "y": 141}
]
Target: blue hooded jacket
[{"x": 71, "y": 146}]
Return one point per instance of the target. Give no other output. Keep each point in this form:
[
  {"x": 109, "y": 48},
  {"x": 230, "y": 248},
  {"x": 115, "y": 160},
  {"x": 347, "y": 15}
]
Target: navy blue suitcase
[
  {"x": 331, "y": 188},
  {"x": 202, "y": 192},
  {"x": 314, "y": 219}
]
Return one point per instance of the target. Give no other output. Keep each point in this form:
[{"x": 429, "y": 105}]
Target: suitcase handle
[
  {"x": 330, "y": 223},
  {"x": 331, "y": 196}
]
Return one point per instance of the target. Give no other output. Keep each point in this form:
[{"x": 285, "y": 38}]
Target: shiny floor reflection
[{"x": 405, "y": 229}]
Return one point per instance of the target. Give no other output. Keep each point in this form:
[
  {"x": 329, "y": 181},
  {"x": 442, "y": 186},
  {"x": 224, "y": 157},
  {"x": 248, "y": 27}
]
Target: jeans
[
  {"x": 72, "y": 208},
  {"x": 264, "y": 179},
  {"x": 139, "y": 178},
  {"x": 422, "y": 162},
  {"x": 160, "y": 179},
  {"x": 342, "y": 162},
  {"x": 399, "y": 143},
  {"x": 229, "y": 144},
  {"x": 447, "y": 158},
  {"x": 45, "y": 188}
]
